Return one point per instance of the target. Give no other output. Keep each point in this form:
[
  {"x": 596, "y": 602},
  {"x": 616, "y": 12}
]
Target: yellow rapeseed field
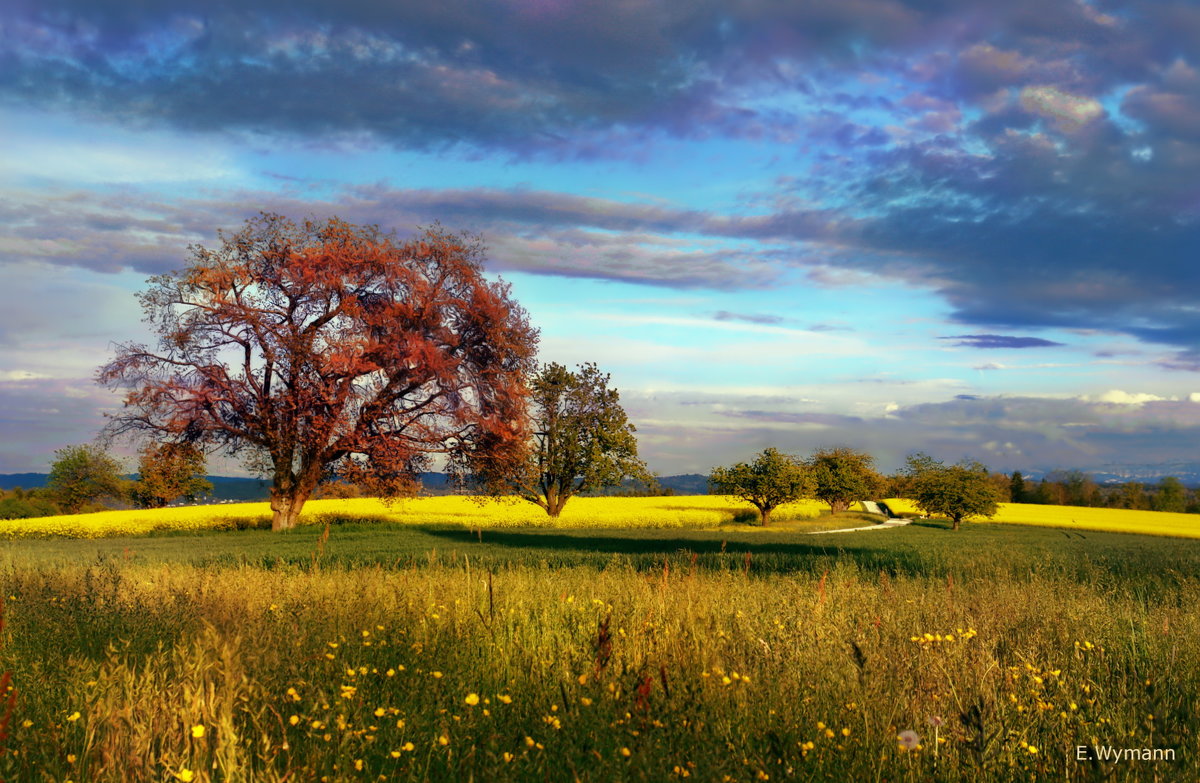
[
  {"x": 686, "y": 511},
  {"x": 1113, "y": 520},
  {"x": 692, "y": 511}
]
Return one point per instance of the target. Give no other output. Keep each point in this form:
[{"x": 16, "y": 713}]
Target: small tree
[
  {"x": 772, "y": 480},
  {"x": 582, "y": 440},
  {"x": 83, "y": 474},
  {"x": 169, "y": 471},
  {"x": 1016, "y": 487},
  {"x": 326, "y": 347},
  {"x": 842, "y": 475},
  {"x": 957, "y": 491}
]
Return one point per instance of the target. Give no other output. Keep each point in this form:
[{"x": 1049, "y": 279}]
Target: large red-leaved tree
[{"x": 325, "y": 348}]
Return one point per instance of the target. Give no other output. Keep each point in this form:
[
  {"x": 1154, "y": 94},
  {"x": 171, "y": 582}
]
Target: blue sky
[{"x": 968, "y": 229}]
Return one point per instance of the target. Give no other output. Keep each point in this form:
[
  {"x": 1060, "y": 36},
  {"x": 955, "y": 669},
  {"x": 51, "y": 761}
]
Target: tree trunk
[
  {"x": 554, "y": 506},
  {"x": 956, "y": 518},
  {"x": 766, "y": 515},
  {"x": 838, "y": 505},
  {"x": 285, "y": 509}
]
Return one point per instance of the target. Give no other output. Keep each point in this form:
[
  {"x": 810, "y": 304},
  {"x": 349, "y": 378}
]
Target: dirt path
[{"x": 889, "y": 524}]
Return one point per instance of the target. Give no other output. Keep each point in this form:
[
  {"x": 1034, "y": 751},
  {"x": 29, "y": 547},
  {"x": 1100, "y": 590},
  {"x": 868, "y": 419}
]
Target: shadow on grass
[{"x": 724, "y": 550}]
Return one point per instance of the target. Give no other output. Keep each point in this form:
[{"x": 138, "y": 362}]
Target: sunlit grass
[{"x": 451, "y": 672}]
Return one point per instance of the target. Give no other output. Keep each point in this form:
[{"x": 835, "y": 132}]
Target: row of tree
[
  {"x": 1076, "y": 488},
  {"x": 840, "y": 476},
  {"x": 86, "y": 478}
]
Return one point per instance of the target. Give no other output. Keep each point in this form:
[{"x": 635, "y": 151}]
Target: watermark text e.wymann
[{"x": 1113, "y": 755}]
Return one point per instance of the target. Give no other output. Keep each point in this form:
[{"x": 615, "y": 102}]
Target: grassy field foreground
[{"x": 597, "y": 656}]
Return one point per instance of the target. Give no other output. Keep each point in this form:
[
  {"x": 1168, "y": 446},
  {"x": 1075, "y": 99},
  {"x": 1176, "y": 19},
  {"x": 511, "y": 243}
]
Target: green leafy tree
[
  {"x": 169, "y": 471},
  {"x": 1016, "y": 487},
  {"x": 582, "y": 440},
  {"x": 956, "y": 491},
  {"x": 81, "y": 475},
  {"x": 20, "y": 504},
  {"x": 1170, "y": 495},
  {"x": 1132, "y": 495},
  {"x": 842, "y": 476},
  {"x": 768, "y": 482}
]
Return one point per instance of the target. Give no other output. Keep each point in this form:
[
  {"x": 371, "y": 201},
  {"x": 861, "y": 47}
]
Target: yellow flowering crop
[
  {"x": 693, "y": 511},
  {"x": 1114, "y": 520}
]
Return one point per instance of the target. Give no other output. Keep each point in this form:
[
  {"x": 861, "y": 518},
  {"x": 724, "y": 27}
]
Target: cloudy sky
[{"x": 970, "y": 227}]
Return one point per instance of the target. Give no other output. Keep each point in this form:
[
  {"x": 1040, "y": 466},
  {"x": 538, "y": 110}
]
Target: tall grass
[{"x": 518, "y": 671}]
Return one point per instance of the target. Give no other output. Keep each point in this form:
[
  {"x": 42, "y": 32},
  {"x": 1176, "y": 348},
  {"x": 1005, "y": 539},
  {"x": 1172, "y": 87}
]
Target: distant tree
[
  {"x": 18, "y": 503},
  {"x": 1170, "y": 495},
  {"x": 1016, "y": 487},
  {"x": 957, "y": 491},
  {"x": 1132, "y": 495},
  {"x": 768, "y": 482},
  {"x": 582, "y": 440},
  {"x": 842, "y": 476},
  {"x": 1071, "y": 488},
  {"x": 81, "y": 475},
  {"x": 167, "y": 472},
  {"x": 326, "y": 346}
]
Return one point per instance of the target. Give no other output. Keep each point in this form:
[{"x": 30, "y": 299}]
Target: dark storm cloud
[
  {"x": 1039, "y": 172},
  {"x": 999, "y": 341},
  {"x": 526, "y": 75}
]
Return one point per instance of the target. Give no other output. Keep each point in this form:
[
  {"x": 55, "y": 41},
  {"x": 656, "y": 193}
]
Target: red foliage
[{"x": 329, "y": 348}]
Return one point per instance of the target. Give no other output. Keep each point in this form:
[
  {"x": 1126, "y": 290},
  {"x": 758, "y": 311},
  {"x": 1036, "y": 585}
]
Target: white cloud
[
  {"x": 20, "y": 375},
  {"x": 1118, "y": 397}
]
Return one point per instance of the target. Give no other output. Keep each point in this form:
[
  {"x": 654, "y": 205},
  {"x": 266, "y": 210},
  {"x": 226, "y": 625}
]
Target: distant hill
[{"x": 252, "y": 489}]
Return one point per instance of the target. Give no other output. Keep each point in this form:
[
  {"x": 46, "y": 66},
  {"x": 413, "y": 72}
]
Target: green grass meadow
[{"x": 382, "y": 653}]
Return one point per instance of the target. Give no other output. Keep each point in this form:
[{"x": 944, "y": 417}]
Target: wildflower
[
  {"x": 626, "y": 752},
  {"x": 845, "y": 732},
  {"x": 908, "y": 739},
  {"x": 585, "y": 701},
  {"x": 760, "y": 775},
  {"x": 358, "y": 764},
  {"x": 436, "y": 675},
  {"x": 1032, "y": 750},
  {"x": 507, "y": 757},
  {"x": 395, "y": 754},
  {"x": 472, "y": 699},
  {"x": 935, "y": 721},
  {"x": 380, "y": 712},
  {"x": 198, "y": 731},
  {"x": 185, "y": 774},
  {"x": 70, "y": 758},
  {"x": 504, "y": 698},
  {"x": 443, "y": 740},
  {"x": 390, "y": 672},
  {"x": 74, "y": 716},
  {"x": 529, "y": 742},
  {"x": 294, "y": 720},
  {"x": 408, "y": 746}
]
